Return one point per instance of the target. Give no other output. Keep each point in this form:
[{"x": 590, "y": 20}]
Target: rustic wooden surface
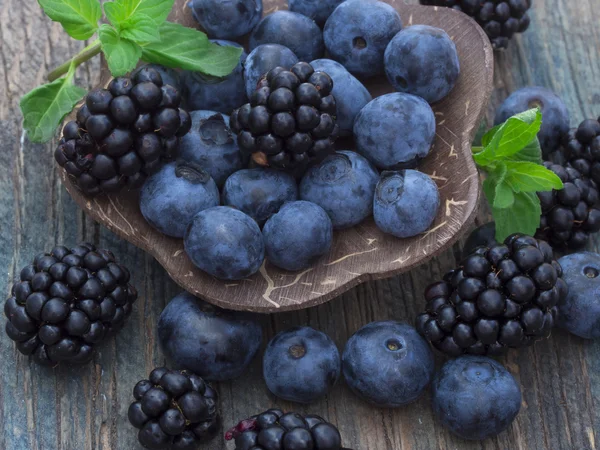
[
  {"x": 85, "y": 408},
  {"x": 360, "y": 253}
]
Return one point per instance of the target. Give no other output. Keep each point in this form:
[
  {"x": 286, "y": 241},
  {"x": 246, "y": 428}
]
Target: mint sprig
[
  {"x": 511, "y": 158},
  {"x": 137, "y": 30}
]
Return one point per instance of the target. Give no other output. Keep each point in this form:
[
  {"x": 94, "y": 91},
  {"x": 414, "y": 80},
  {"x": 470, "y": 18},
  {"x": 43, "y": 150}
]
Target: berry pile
[
  {"x": 500, "y": 19},
  {"x": 67, "y": 302},
  {"x": 123, "y": 134},
  {"x": 572, "y": 213},
  {"x": 174, "y": 410},
  {"x": 290, "y": 121},
  {"x": 274, "y": 430},
  {"x": 500, "y": 297},
  {"x": 581, "y": 147}
]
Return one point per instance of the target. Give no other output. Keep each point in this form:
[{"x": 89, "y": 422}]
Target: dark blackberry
[
  {"x": 66, "y": 302},
  {"x": 290, "y": 121},
  {"x": 581, "y": 148},
  {"x": 500, "y": 19},
  {"x": 274, "y": 430},
  {"x": 108, "y": 146},
  {"x": 571, "y": 214},
  {"x": 500, "y": 297},
  {"x": 174, "y": 410}
]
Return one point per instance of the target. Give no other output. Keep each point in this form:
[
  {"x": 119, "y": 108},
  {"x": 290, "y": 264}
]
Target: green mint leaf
[
  {"x": 504, "y": 196},
  {"x": 122, "y": 55},
  {"x": 522, "y": 217},
  {"x": 487, "y": 137},
  {"x": 140, "y": 29},
  {"x": 189, "y": 49},
  {"x": 46, "y": 106},
  {"x": 79, "y": 18},
  {"x": 119, "y": 12},
  {"x": 517, "y": 132},
  {"x": 498, "y": 192},
  {"x": 532, "y": 152},
  {"x": 531, "y": 177}
]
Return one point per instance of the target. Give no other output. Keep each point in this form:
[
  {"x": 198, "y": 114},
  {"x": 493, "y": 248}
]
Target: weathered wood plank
[{"x": 85, "y": 408}]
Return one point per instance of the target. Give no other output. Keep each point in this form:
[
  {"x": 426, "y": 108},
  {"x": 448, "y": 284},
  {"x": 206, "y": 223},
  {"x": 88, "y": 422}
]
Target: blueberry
[
  {"x": 225, "y": 243},
  {"x": 357, "y": 33},
  {"x": 343, "y": 185},
  {"x": 317, "y": 10},
  {"x": 579, "y": 311},
  {"x": 298, "y": 235},
  {"x": 395, "y": 130},
  {"x": 422, "y": 60},
  {"x": 475, "y": 397},
  {"x": 350, "y": 94},
  {"x": 259, "y": 192},
  {"x": 406, "y": 203},
  {"x": 556, "y": 116},
  {"x": 387, "y": 363},
  {"x": 171, "y": 198},
  {"x": 216, "y": 94},
  {"x": 264, "y": 58},
  {"x": 214, "y": 343},
  {"x": 168, "y": 76},
  {"x": 292, "y": 30},
  {"x": 301, "y": 365},
  {"x": 227, "y": 20},
  {"x": 211, "y": 145}
]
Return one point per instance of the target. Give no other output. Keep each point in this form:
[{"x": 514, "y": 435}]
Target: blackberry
[
  {"x": 290, "y": 121},
  {"x": 571, "y": 214},
  {"x": 581, "y": 148},
  {"x": 123, "y": 133},
  {"x": 66, "y": 302},
  {"x": 174, "y": 409},
  {"x": 274, "y": 430},
  {"x": 503, "y": 296},
  {"x": 500, "y": 19}
]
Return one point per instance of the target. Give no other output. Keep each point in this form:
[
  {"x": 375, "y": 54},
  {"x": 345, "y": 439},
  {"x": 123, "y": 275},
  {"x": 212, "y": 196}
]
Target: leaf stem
[{"x": 87, "y": 53}]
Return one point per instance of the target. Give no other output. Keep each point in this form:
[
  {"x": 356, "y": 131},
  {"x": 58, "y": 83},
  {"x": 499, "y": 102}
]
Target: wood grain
[
  {"x": 85, "y": 408},
  {"x": 362, "y": 252}
]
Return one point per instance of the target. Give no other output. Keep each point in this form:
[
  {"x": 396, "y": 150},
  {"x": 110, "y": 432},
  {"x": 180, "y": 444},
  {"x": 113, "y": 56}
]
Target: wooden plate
[{"x": 361, "y": 253}]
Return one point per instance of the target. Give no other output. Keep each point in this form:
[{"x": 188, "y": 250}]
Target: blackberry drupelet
[
  {"x": 290, "y": 121},
  {"x": 174, "y": 410},
  {"x": 581, "y": 148},
  {"x": 66, "y": 302},
  {"x": 500, "y": 19},
  {"x": 501, "y": 297},
  {"x": 274, "y": 430},
  {"x": 123, "y": 133},
  {"x": 571, "y": 214}
]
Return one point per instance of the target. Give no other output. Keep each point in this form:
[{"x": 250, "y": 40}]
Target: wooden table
[{"x": 86, "y": 408}]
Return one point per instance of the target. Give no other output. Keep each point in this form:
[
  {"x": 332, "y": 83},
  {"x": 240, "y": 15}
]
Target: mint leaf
[
  {"x": 140, "y": 29},
  {"x": 522, "y": 217},
  {"x": 487, "y": 137},
  {"x": 531, "y": 177},
  {"x": 79, "y": 18},
  {"x": 504, "y": 196},
  {"x": 120, "y": 11},
  {"x": 189, "y": 49},
  {"x": 517, "y": 132},
  {"x": 46, "y": 106},
  {"x": 122, "y": 55}
]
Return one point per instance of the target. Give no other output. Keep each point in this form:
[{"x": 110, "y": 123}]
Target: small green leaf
[
  {"x": 189, "y": 49},
  {"x": 79, "y": 18},
  {"x": 522, "y": 217},
  {"x": 140, "y": 29},
  {"x": 516, "y": 134},
  {"x": 532, "y": 152},
  {"x": 120, "y": 11},
  {"x": 122, "y": 55},
  {"x": 46, "y": 106},
  {"x": 487, "y": 137},
  {"x": 504, "y": 196},
  {"x": 531, "y": 177}
]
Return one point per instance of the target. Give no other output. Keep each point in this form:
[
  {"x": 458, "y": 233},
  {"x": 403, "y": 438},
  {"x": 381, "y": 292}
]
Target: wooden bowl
[{"x": 363, "y": 252}]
